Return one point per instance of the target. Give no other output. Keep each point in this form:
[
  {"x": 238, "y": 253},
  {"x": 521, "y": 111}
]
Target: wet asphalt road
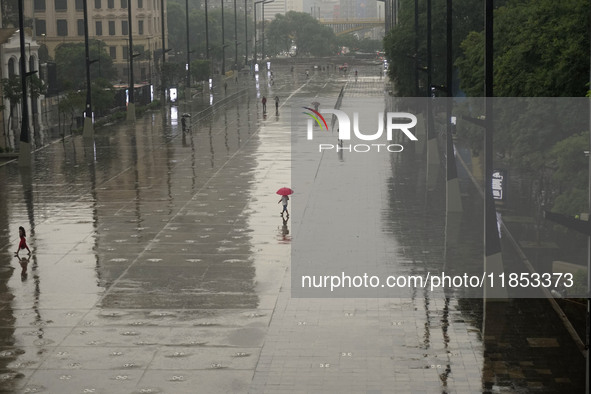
[{"x": 161, "y": 265}]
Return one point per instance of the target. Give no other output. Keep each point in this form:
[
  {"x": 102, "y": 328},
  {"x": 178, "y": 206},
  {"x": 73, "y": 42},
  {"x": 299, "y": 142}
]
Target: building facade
[
  {"x": 58, "y": 22},
  {"x": 11, "y": 115}
]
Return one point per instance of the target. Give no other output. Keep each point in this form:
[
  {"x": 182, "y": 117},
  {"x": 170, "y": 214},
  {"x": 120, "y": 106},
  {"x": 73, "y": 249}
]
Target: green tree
[
  {"x": 103, "y": 96},
  {"x": 399, "y": 42},
  {"x": 71, "y": 59},
  {"x": 73, "y": 105},
  {"x": 200, "y": 70},
  {"x": 541, "y": 50},
  {"x": 12, "y": 90},
  {"x": 571, "y": 174},
  {"x": 304, "y": 32},
  {"x": 173, "y": 73}
]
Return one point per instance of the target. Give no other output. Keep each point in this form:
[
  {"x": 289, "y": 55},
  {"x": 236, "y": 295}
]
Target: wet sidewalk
[{"x": 161, "y": 265}]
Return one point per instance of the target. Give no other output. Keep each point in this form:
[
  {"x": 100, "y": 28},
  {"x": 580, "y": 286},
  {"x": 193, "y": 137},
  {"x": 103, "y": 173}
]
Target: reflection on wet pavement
[{"x": 160, "y": 264}]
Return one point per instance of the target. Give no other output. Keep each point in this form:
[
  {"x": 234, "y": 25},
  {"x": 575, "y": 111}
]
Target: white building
[
  {"x": 10, "y": 54},
  {"x": 62, "y": 21}
]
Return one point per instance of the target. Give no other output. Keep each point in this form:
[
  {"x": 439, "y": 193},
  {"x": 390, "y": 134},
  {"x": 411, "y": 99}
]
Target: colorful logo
[{"x": 317, "y": 117}]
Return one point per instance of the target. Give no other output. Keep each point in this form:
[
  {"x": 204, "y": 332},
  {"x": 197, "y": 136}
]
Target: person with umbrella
[
  {"x": 284, "y": 192},
  {"x": 184, "y": 120}
]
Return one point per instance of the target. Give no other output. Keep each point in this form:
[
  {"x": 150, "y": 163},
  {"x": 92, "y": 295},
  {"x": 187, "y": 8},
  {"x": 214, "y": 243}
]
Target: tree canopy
[
  {"x": 541, "y": 49},
  {"x": 399, "y": 43},
  {"x": 302, "y": 31},
  {"x": 70, "y": 62}
]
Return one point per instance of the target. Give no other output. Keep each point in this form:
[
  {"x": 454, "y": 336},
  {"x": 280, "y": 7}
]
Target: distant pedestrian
[
  {"x": 276, "y": 103},
  {"x": 284, "y": 200},
  {"x": 264, "y": 101},
  {"x": 225, "y": 87},
  {"x": 23, "y": 241},
  {"x": 184, "y": 122}
]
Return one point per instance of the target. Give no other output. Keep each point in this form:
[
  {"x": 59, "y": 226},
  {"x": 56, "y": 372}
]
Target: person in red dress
[{"x": 23, "y": 242}]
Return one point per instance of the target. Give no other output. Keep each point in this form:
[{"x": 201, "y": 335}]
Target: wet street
[{"x": 160, "y": 262}]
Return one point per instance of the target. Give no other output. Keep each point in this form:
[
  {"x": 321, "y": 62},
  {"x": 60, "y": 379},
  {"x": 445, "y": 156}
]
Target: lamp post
[
  {"x": 149, "y": 61},
  {"x": 453, "y": 196},
  {"x": 24, "y": 157},
  {"x": 163, "y": 86},
  {"x": 206, "y": 34},
  {"x": 235, "y": 39},
  {"x": 131, "y": 105},
  {"x": 245, "y": 34},
  {"x": 255, "y": 31},
  {"x": 188, "y": 52},
  {"x": 263, "y": 49},
  {"x": 223, "y": 42},
  {"x": 88, "y": 130},
  {"x": 416, "y": 26},
  {"x": 100, "y": 48}
]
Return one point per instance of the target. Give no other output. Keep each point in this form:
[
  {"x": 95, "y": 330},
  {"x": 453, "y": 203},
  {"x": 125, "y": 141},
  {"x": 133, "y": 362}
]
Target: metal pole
[
  {"x": 492, "y": 243},
  {"x": 131, "y": 105},
  {"x": 206, "y": 33},
  {"x": 24, "y": 137},
  {"x": 149, "y": 61},
  {"x": 429, "y": 57},
  {"x": 588, "y": 317},
  {"x": 223, "y": 43},
  {"x": 263, "y": 35},
  {"x": 163, "y": 52},
  {"x": 188, "y": 52},
  {"x": 88, "y": 130},
  {"x": 417, "y": 48},
  {"x": 245, "y": 34},
  {"x": 255, "y": 31},
  {"x": 453, "y": 195},
  {"x": 235, "y": 39}
]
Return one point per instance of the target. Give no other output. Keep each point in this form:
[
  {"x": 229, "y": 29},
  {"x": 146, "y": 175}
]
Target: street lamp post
[
  {"x": 149, "y": 61},
  {"x": 163, "y": 86},
  {"x": 131, "y": 105},
  {"x": 188, "y": 51},
  {"x": 206, "y": 34},
  {"x": 235, "y": 39},
  {"x": 263, "y": 49},
  {"x": 223, "y": 43},
  {"x": 88, "y": 130},
  {"x": 255, "y": 26},
  {"x": 255, "y": 32},
  {"x": 245, "y": 34},
  {"x": 24, "y": 157}
]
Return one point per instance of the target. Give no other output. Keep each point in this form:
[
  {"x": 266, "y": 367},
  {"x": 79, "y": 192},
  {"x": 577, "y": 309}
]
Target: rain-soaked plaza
[{"x": 160, "y": 262}]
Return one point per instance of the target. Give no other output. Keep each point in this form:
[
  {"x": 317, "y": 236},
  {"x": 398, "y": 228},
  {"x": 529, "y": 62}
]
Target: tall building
[
  {"x": 276, "y": 7},
  {"x": 61, "y": 21}
]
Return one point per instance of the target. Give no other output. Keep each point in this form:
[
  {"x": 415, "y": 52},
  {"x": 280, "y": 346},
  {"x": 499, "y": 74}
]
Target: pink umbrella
[{"x": 284, "y": 191}]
